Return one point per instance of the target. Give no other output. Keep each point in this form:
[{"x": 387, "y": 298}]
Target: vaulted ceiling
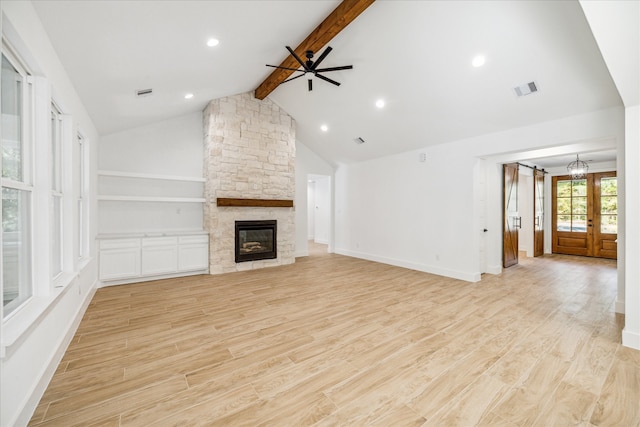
[{"x": 415, "y": 55}]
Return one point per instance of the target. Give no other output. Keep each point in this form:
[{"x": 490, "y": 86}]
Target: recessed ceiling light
[
  {"x": 213, "y": 42},
  {"x": 380, "y": 103},
  {"x": 478, "y": 61},
  {"x": 188, "y": 96},
  {"x": 324, "y": 128}
]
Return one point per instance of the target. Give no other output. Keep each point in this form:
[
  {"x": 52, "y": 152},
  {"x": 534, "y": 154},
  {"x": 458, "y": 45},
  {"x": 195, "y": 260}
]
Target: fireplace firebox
[{"x": 256, "y": 240}]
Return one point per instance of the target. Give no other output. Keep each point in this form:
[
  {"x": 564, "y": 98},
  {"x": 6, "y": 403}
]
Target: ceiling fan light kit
[{"x": 310, "y": 66}]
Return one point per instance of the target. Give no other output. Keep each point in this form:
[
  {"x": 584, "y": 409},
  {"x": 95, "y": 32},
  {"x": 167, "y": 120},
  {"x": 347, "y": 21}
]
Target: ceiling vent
[
  {"x": 358, "y": 140},
  {"x": 526, "y": 89},
  {"x": 144, "y": 92}
]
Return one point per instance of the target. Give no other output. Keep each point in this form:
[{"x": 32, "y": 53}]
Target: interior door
[
  {"x": 511, "y": 217},
  {"x": 605, "y": 218},
  {"x": 538, "y": 212},
  {"x": 585, "y": 215}
]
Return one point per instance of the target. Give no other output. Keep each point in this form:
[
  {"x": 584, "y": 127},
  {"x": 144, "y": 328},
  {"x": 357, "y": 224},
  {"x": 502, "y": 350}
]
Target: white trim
[
  {"x": 630, "y": 339},
  {"x": 29, "y": 407},
  {"x": 620, "y": 307},
  {"x": 468, "y": 277},
  {"x": 150, "y": 176},
  {"x": 151, "y": 199},
  {"x": 105, "y": 283}
]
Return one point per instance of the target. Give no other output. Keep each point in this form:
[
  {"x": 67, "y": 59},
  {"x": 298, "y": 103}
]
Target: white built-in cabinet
[
  {"x": 150, "y": 226},
  {"x": 129, "y": 259}
]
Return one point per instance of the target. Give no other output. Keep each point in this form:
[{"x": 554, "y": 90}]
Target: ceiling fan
[{"x": 310, "y": 66}]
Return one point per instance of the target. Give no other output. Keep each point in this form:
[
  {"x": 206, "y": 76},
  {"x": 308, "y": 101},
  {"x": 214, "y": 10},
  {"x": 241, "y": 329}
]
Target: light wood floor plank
[{"x": 337, "y": 341}]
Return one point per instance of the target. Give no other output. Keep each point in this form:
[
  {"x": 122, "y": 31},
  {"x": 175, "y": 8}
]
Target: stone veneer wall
[{"x": 249, "y": 153}]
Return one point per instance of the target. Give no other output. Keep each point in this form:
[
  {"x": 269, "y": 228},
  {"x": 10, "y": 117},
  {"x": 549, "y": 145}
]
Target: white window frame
[
  {"x": 56, "y": 208},
  {"x": 82, "y": 242},
  {"x": 26, "y": 184}
]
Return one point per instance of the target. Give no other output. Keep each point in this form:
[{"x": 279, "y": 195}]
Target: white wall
[
  {"x": 631, "y": 242},
  {"x": 421, "y": 215},
  {"x": 33, "y": 355},
  {"x": 173, "y": 147},
  {"x": 322, "y": 208},
  {"x": 311, "y": 208},
  {"x": 308, "y": 163}
]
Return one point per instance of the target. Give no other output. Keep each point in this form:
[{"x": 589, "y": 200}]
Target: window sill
[{"x": 27, "y": 316}]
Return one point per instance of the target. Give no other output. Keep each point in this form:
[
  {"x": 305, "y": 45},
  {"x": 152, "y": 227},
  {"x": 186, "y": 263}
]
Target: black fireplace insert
[{"x": 256, "y": 240}]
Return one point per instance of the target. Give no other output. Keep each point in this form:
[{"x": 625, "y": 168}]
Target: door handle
[{"x": 517, "y": 222}]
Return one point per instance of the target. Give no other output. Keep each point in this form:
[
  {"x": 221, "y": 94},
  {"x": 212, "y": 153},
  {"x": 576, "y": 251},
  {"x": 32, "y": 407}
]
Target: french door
[{"x": 585, "y": 215}]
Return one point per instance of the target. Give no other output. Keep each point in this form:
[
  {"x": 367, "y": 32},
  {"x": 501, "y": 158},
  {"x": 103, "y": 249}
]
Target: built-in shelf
[
  {"x": 150, "y": 176},
  {"x": 264, "y": 203},
  {"x": 151, "y": 199}
]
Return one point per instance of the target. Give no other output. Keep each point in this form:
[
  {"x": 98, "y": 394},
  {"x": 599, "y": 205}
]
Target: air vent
[
  {"x": 526, "y": 89},
  {"x": 144, "y": 92},
  {"x": 358, "y": 140}
]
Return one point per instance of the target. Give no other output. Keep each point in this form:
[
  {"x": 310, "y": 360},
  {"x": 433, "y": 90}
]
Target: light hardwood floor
[{"x": 338, "y": 341}]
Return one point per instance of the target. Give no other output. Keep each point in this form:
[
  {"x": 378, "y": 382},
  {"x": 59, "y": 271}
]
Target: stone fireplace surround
[{"x": 249, "y": 154}]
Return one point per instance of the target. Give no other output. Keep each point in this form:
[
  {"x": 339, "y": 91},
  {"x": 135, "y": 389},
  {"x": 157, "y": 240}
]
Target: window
[
  {"x": 572, "y": 205},
  {"x": 56, "y": 192},
  {"x": 17, "y": 189},
  {"x": 609, "y": 205},
  {"x": 83, "y": 178}
]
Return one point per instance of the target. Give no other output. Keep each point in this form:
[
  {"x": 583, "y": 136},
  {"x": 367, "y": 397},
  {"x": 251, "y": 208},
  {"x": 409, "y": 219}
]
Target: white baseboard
[
  {"x": 494, "y": 269},
  {"x": 321, "y": 241},
  {"x": 106, "y": 283},
  {"x": 299, "y": 254},
  {"x": 461, "y": 275},
  {"x": 630, "y": 339},
  {"x": 620, "y": 307},
  {"x": 32, "y": 402}
]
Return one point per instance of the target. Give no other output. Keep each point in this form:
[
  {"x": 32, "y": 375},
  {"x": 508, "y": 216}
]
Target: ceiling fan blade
[
  {"x": 310, "y": 85},
  {"x": 297, "y": 58},
  {"x": 293, "y": 78},
  {"x": 321, "y": 57},
  {"x": 344, "y": 67},
  {"x": 283, "y": 68},
  {"x": 326, "y": 79}
]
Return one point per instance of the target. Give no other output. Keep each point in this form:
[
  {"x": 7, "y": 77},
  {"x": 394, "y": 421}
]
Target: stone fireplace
[{"x": 249, "y": 156}]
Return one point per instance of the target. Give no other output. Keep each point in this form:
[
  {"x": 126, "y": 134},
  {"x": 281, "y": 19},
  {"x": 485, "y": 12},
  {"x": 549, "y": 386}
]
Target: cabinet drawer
[
  {"x": 159, "y": 241},
  {"x": 199, "y": 238},
  {"x": 119, "y": 243}
]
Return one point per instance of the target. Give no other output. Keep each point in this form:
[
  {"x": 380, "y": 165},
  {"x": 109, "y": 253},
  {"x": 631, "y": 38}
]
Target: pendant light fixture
[{"x": 578, "y": 169}]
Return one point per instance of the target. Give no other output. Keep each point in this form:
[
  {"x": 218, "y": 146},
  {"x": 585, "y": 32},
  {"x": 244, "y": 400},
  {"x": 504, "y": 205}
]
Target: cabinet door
[
  {"x": 193, "y": 257},
  {"x": 159, "y": 260},
  {"x": 119, "y": 263}
]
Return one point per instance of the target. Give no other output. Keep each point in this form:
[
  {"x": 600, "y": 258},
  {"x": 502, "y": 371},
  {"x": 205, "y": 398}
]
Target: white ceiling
[{"x": 414, "y": 54}]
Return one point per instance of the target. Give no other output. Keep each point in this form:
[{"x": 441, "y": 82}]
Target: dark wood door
[
  {"x": 511, "y": 217},
  {"x": 538, "y": 212},
  {"x": 585, "y": 215}
]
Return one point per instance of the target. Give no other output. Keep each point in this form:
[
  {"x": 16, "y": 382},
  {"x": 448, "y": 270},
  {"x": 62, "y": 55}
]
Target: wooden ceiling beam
[{"x": 337, "y": 20}]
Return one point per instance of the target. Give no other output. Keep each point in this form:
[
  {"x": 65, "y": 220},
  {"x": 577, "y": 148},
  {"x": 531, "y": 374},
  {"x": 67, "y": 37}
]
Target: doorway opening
[{"x": 318, "y": 213}]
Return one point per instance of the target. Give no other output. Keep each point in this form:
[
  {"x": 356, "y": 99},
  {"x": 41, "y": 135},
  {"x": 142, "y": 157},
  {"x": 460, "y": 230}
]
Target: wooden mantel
[{"x": 262, "y": 203}]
